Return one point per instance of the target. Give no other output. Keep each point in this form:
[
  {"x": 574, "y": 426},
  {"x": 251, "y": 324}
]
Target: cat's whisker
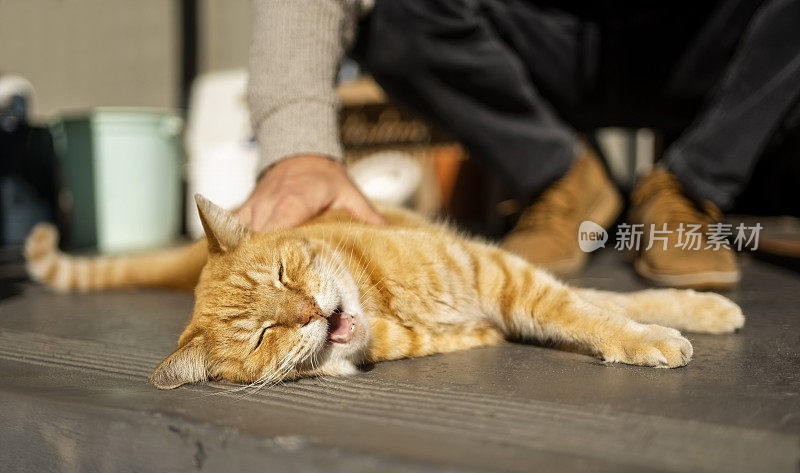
[
  {"x": 329, "y": 260},
  {"x": 371, "y": 291},
  {"x": 368, "y": 276},
  {"x": 338, "y": 261},
  {"x": 335, "y": 265},
  {"x": 238, "y": 388},
  {"x": 292, "y": 359},
  {"x": 352, "y": 248},
  {"x": 315, "y": 365},
  {"x": 275, "y": 376},
  {"x": 367, "y": 264},
  {"x": 335, "y": 262},
  {"x": 326, "y": 244},
  {"x": 339, "y": 245},
  {"x": 255, "y": 385},
  {"x": 363, "y": 270},
  {"x": 297, "y": 356},
  {"x": 269, "y": 375}
]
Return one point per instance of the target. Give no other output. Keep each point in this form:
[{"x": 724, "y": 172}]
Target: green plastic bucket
[{"x": 122, "y": 172}]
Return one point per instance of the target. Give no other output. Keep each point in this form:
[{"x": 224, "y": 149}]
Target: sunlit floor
[{"x": 74, "y": 397}]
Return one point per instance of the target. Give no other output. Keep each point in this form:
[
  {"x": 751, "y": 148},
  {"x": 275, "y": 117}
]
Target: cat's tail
[{"x": 177, "y": 268}]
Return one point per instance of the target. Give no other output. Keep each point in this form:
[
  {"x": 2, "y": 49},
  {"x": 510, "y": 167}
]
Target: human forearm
[{"x": 295, "y": 54}]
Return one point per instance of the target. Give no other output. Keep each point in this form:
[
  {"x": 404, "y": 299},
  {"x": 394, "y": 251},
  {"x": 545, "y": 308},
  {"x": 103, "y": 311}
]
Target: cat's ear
[
  {"x": 223, "y": 229},
  {"x": 187, "y": 364}
]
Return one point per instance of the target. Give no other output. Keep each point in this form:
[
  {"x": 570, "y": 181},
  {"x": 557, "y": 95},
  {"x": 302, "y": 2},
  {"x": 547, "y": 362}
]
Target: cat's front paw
[
  {"x": 712, "y": 313},
  {"x": 649, "y": 345}
]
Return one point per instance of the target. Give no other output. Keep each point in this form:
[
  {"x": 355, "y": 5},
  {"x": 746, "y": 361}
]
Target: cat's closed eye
[
  {"x": 261, "y": 337},
  {"x": 280, "y": 273}
]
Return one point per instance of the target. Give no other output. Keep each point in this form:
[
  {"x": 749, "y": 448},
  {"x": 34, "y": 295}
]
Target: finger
[
  {"x": 289, "y": 213},
  {"x": 245, "y": 214},
  {"x": 361, "y": 209},
  {"x": 259, "y": 210},
  {"x": 261, "y": 218}
]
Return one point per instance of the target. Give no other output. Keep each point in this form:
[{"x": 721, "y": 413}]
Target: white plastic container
[
  {"x": 223, "y": 158},
  {"x": 223, "y": 172}
]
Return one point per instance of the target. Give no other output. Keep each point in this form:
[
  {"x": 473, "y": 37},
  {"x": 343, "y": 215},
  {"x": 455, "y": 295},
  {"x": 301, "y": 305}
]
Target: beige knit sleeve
[{"x": 296, "y": 50}]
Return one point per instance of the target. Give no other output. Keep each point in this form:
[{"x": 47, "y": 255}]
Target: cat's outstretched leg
[
  {"x": 703, "y": 312},
  {"x": 529, "y": 303}
]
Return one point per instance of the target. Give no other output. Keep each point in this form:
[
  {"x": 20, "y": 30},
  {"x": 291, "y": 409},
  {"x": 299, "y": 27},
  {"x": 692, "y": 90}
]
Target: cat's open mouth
[{"x": 341, "y": 326}]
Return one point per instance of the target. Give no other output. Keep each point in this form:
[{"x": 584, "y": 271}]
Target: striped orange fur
[{"x": 335, "y": 294}]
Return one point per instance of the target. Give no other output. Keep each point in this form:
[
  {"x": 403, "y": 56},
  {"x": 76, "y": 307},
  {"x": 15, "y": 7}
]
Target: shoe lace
[
  {"x": 674, "y": 207},
  {"x": 550, "y": 209}
]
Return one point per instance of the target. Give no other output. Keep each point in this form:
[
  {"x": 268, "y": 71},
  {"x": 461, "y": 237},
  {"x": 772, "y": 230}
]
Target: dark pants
[{"x": 513, "y": 80}]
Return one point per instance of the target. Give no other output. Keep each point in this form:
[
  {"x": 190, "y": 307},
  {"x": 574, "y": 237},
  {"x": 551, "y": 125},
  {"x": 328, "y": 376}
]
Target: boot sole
[
  {"x": 604, "y": 212},
  {"x": 701, "y": 280}
]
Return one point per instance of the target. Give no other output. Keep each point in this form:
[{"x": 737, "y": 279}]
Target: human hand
[{"x": 298, "y": 189}]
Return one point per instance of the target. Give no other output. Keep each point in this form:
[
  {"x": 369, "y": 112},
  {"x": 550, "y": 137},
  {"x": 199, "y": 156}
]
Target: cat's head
[{"x": 267, "y": 307}]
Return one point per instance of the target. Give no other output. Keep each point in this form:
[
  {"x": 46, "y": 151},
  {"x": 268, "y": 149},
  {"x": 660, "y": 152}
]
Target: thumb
[
  {"x": 289, "y": 213},
  {"x": 364, "y": 211}
]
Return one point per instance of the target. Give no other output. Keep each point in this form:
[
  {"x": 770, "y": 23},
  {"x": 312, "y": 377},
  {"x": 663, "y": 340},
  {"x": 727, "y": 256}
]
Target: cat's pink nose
[
  {"x": 310, "y": 309},
  {"x": 316, "y": 315}
]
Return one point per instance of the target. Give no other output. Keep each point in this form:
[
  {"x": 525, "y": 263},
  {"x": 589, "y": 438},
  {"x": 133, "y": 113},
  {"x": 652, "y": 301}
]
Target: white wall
[
  {"x": 85, "y": 53},
  {"x": 224, "y": 34}
]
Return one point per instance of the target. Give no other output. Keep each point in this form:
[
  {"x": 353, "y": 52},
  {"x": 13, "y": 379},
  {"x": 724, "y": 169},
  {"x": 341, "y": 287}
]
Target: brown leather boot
[
  {"x": 679, "y": 257},
  {"x": 547, "y": 232}
]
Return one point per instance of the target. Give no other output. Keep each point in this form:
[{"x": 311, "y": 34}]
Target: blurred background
[{"x": 113, "y": 113}]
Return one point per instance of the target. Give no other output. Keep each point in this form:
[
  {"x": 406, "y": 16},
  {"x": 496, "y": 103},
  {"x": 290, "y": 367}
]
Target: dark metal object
[
  {"x": 27, "y": 173},
  {"x": 189, "y": 40}
]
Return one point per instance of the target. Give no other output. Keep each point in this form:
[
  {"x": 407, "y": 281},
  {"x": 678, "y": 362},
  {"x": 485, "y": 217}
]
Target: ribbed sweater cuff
[{"x": 302, "y": 127}]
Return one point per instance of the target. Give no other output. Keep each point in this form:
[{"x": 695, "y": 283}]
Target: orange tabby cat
[{"x": 335, "y": 294}]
